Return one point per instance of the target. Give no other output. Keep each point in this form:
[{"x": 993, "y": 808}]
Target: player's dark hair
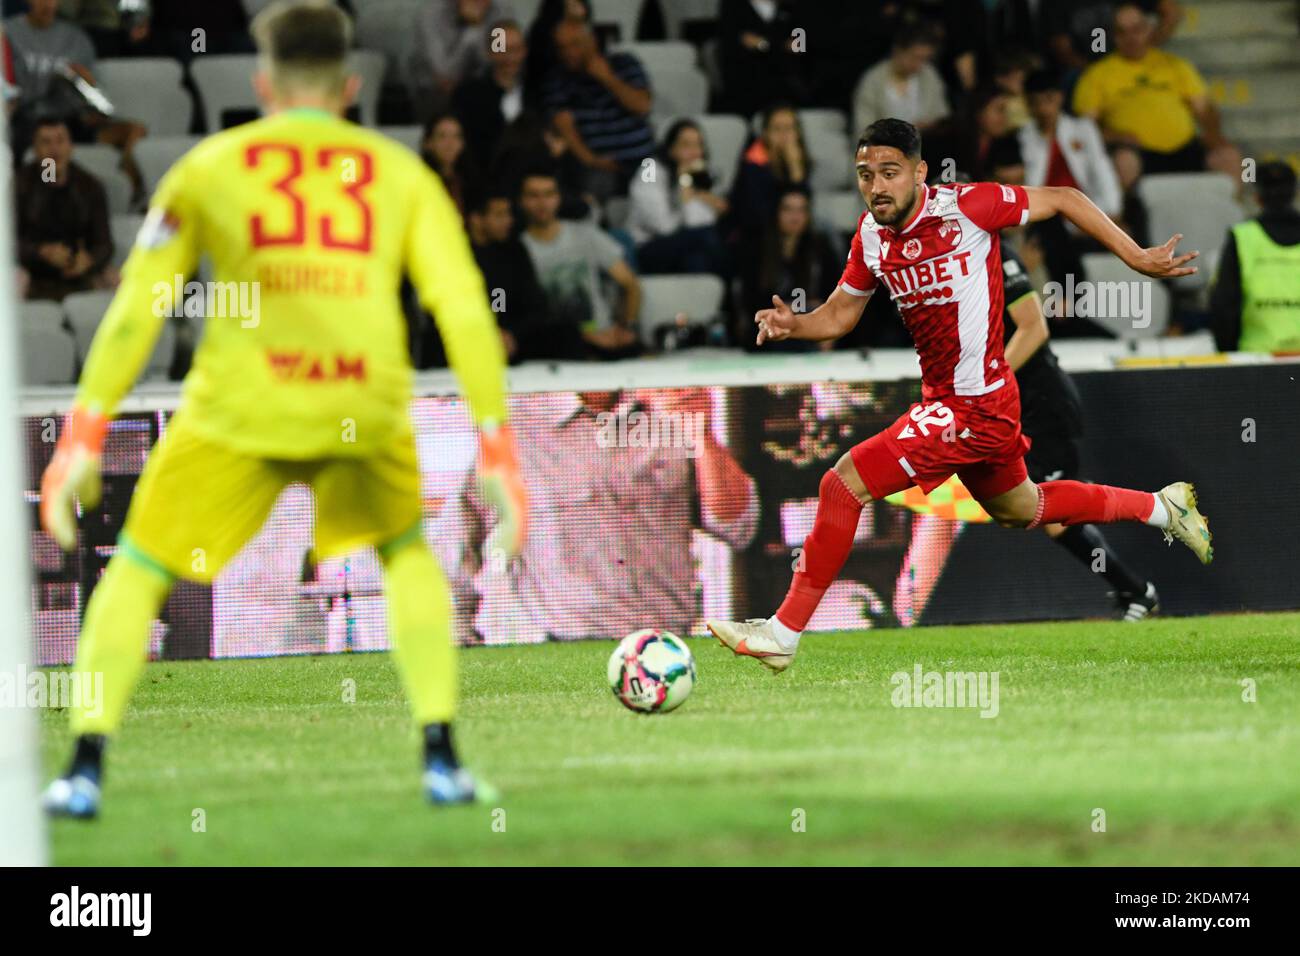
[
  {"x": 1275, "y": 185},
  {"x": 303, "y": 33},
  {"x": 899, "y": 134}
]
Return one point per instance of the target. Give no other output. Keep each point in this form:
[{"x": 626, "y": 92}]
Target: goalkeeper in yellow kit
[{"x": 320, "y": 219}]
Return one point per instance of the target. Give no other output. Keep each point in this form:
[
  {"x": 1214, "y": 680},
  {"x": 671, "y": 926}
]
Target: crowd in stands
[{"x": 575, "y": 182}]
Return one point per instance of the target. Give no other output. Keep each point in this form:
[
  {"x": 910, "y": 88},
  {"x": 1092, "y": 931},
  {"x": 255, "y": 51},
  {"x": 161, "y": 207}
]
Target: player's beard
[{"x": 901, "y": 213}]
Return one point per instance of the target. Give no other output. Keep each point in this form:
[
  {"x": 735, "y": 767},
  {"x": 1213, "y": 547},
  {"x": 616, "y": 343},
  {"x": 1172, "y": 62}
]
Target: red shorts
[{"x": 978, "y": 438}]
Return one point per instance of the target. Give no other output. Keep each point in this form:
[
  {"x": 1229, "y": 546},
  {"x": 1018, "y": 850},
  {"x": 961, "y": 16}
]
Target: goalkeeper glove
[
  {"x": 502, "y": 486},
  {"x": 72, "y": 473}
]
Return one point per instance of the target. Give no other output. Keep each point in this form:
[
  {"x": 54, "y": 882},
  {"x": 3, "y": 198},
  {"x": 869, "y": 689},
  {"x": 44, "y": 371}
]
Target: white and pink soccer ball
[{"x": 651, "y": 671}]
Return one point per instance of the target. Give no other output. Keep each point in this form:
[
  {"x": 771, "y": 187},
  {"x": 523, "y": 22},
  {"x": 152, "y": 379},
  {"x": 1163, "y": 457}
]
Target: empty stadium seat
[
  {"x": 676, "y": 12},
  {"x": 408, "y": 136},
  {"x": 157, "y": 154},
  {"x": 147, "y": 89},
  {"x": 1104, "y": 267},
  {"x": 621, "y": 14},
  {"x": 390, "y": 27},
  {"x": 663, "y": 298},
  {"x": 84, "y": 311},
  {"x": 679, "y": 92},
  {"x": 49, "y": 356},
  {"x": 839, "y": 210},
  {"x": 658, "y": 55},
  {"x": 832, "y": 158},
  {"x": 370, "y": 65},
  {"x": 124, "y": 229},
  {"x": 224, "y": 82},
  {"x": 1198, "y": 205}
]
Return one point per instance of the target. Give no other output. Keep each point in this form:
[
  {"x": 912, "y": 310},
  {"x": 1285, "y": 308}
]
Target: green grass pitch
[{"x": 1144, "y": 722}]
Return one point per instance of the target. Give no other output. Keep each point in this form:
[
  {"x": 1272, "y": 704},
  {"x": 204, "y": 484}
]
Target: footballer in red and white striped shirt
[{"x": 936, "y": 252}]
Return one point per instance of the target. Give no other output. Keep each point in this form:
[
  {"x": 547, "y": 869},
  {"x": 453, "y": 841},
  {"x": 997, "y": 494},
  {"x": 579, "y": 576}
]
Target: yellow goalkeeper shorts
[{"x": 198, "y": 502}]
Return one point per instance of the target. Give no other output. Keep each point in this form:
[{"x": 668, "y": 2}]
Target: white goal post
[{"x": 22, "y": 827}]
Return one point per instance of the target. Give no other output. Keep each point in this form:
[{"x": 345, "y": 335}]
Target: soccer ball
[{"x": 651, "y": 671}]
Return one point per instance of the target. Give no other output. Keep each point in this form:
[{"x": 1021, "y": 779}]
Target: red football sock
[
  {"x": 824, "y": 551},
  {"x": 1077, "y": 502}
]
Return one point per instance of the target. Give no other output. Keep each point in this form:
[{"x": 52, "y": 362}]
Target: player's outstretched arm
[
  {"x": 442, "y": 267},
  {"x": 1159, "y": 262},
  {"x": 832, "y": 319},
  {"x": 123, "y": 343}
]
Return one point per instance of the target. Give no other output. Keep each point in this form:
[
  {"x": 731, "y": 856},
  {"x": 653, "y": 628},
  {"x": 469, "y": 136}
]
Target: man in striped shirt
[{"x": 601, "y": 106}]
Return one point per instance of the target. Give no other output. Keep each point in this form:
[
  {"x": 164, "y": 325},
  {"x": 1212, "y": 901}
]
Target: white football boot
[
  {"x": 753, "y": 638},
  {"x": 1186, "y": 523}
]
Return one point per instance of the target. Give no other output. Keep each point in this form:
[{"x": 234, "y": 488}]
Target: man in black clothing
[
  {"x": 1051, "y": 414},
  {"x": 514, "y": 291},
  {"x": 486, "y": 104},
  {"x": 1256, "y": 296}
]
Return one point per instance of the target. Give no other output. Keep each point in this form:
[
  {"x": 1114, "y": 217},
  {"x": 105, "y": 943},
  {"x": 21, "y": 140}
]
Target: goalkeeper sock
[
  {"x": 115, "y": 639},
  {"x": 824, "y": 551},
  {"x": 437, "y": 743},
  {"x": 419, "y": 628},
  {"x": 88, "y": 757}
]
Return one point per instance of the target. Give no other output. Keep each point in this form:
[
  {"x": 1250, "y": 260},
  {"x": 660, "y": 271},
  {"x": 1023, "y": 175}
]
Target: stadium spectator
[
  {"x": 61, "y": 217},
  {"x": 531, "y": 142},
  {"x": 541, "y": 38},
  {"x": 673, "y": 212},
  {"x": 1256, "y": 297},
  {"x": 1153, "y": 101},
  {"x": 486, "y": 104},
  {"x": 646, "y": 498},
  {"x": 600, "y": 105},
  {"x": 516, "y": 295},
  {"x": 791, "y": 259},
  {"x": 50, "y": 57},
  {"x": 1010, "y": 71},
  {"x": 570, "y": 259},
  {"x": 960, "y": 28},
  {"x": 774, "y": 161},
  {"x": 454, "y": 40},
  {"x": 1064, "y": 150},
  {"x": 443, "y": 149},
  {"x": 116, "y": 27},
  {"x": 182, "y": 29},
  {"x": 756, "y": 55},
  {"x": 977, "y": 143},
  {"x": 1076, "y": 30},
  {"x": 906, "y": 86}
]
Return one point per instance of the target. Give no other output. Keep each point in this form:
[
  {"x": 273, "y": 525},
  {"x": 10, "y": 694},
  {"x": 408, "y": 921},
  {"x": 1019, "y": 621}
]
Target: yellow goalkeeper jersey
[{"x": 309, "y": 222}]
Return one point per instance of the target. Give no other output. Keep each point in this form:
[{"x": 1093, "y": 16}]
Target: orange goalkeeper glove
[
  {"x": 502, "y": 486},
  {"x": 73, "y": 473}
]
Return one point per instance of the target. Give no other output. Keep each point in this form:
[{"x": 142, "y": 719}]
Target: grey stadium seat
[
  {"x": 49, "y": 355},
  {"x": 389, "y": 27},
  {"x": 679, "y": 92},
  {"x": 832, "y": 159},
  {"x": 157, "y": 154},
  {"x": 147, "y": 89},
  {"x": 622, "y": 14},
  {"x": 839, "y": 210},
  {"x": 224, "y": 81},
  {"x": 663, "y": 298},
  {"x": 124, "y": 229},
  {"x": 83, "y": 311},
  {"x": 1198, "y": 205},
  {"x": 371, "y": 66},
  {"x": 408, "y": 136},
  {"x": 1104, "y": 267},
  {"x": 658, "y": 55}
]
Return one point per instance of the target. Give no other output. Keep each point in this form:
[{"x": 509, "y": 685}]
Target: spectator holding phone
[{"x": 673, "y": 212}]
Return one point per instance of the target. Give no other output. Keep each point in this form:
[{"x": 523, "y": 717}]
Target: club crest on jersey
[
  {"x": 950, "y": 232},
  {"x": 911, "y": 248},
  {"x": 158, "y": 229}
]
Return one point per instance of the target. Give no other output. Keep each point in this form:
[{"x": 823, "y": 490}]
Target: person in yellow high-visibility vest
[{"x": 1256, "y": 297}]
